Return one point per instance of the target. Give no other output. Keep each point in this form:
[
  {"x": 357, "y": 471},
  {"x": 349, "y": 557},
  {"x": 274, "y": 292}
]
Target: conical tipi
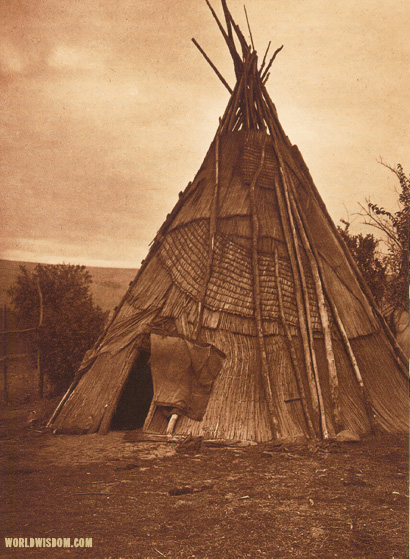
[{"x": 248, "y": 319}]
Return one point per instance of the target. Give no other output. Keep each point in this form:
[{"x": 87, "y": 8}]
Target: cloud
[
  {"x": 75, "y": 58},
  {"x": 108, "y": 112},
  {"x": 12, "y": 60}
]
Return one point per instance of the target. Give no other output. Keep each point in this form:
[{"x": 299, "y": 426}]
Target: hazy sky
[{"x": 107, "y": 110}]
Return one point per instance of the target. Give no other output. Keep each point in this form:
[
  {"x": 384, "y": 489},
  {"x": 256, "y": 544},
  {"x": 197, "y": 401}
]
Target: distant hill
[{"x": 108, "y": 287}]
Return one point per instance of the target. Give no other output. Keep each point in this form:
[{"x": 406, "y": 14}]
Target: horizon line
[{"x": 80, "y": 262}]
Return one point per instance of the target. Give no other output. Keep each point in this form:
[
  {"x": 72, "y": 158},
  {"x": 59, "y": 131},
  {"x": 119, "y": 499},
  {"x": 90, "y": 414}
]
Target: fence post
[
  {"x": 4, "y": 347},
  {"x": 40, "y": 322}
]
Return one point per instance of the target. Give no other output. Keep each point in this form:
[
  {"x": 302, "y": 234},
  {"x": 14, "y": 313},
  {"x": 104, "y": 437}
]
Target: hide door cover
[{"x": 183, "y": 373}]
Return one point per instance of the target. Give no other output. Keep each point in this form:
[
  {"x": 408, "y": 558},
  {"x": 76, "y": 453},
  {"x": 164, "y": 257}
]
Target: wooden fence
[{"x": 19, "y": 359}]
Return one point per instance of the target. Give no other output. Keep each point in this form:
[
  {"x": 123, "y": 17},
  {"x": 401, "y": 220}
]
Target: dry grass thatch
[{"x": 250, "y": 262}]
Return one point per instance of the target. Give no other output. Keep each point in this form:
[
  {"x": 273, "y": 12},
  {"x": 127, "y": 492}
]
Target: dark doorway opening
[{"x": 136, "y": 397}]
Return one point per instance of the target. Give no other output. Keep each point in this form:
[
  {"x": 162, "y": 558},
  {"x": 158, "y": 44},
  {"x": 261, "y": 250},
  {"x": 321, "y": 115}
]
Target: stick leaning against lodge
[{"x": 324, "y": 317}]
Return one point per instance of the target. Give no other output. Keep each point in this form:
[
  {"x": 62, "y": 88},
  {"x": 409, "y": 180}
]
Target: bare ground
[{"x": 147, "y": 500}]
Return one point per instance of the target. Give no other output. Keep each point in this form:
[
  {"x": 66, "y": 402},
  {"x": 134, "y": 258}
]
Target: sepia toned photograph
[{"x": 204, "y": 293}]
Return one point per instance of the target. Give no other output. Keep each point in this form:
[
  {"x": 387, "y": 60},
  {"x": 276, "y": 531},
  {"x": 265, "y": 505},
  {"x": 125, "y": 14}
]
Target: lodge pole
[
  {"x": 291, "y": 244},
  {"x": 292, "y": 352},
  {"x": 213, "y": 218},
  {"x": 324, "y": 318},
  {"x": 266, "y": 381},
  {"x": 338, "y": 321}
]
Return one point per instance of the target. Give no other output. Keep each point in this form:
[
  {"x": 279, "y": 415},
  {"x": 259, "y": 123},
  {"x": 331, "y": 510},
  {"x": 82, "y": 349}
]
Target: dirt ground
[{"x": 149, "y": 500}]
